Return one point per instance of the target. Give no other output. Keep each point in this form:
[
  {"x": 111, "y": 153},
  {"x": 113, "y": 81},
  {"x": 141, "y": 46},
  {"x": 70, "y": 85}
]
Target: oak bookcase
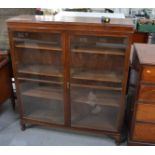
[{"x": 71, "y": 72}]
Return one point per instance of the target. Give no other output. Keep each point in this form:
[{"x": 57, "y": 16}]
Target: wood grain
[{"x": 141, "y": 131}]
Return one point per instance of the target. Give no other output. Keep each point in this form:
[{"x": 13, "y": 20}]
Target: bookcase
[{"x": 71, "y": 73}]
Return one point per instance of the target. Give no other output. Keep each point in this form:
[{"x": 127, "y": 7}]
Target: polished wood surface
[
  {"x": 4, "y": 81},
  {"x": 71, "y": 72},
  {"x": 146, "y": 93},
  {"x": 140, "y": 37},
  {"x": 148, "y": 73},
  {"x": 65, "y": 19},
  {"x": 71, "y": 23},
  {"x": 145, "y": 112},
  {"x": 144, "y": 132}
]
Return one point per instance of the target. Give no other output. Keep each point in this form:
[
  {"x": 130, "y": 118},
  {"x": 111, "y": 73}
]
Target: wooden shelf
[
  {"x": 49, "y": 116},
  {"x": 29, "y": 40},
  {"x": 39, "y": 46},
  {"x": 41, "y": 70},
  {"x": 44, "y": 92},
  {"x": 103, "y": 98},
  {"x": 96, "y": 87},
  {"x": 40, "y": 81},
  {"x": 97, "y": 76},
  {"x": 105, "y": 120},
  {"x": 105, "y": 51}
]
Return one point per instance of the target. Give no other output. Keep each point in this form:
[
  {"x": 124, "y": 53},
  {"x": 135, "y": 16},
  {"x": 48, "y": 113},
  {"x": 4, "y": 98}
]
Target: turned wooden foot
[
  {"x": 118, "y": 140},
  {"x": 23, "y": 127}
]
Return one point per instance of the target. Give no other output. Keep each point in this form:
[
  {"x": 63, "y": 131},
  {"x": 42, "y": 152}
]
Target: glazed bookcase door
[
  {"x": 96, "y": 76},
  {"x": 39, "y": 72}
]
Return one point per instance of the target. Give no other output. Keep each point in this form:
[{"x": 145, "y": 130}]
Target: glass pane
[
  {"x": 42, "y": 101},
  {"x": 40, "y": 73},
  {"x": 93, "y": 108},
  {"x": 96, "y": 76},
  {"x": 38, "y": 53}
]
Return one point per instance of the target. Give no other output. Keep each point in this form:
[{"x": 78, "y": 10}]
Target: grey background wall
[{"x": 4, "y": 15}]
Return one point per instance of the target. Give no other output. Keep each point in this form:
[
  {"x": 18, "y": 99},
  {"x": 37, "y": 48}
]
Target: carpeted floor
[{"x": 10, "y": 134}]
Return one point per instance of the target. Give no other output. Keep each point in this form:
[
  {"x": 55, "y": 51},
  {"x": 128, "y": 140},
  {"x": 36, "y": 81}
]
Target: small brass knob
[{"x": 105, "y": 20}]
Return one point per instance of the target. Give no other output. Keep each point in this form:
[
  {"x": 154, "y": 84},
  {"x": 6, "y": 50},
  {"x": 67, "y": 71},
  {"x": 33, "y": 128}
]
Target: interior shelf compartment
[
  {"x": 49, "y": 116},
  {"x": 82, "y": 41},
  {"x": 96, "y": 76},
  {"x": 40, "y": 46},
  {"x": 42, "y": 70},
  {"x": 53, "y": 39},
  {"x": 106, "y": 119},
  {"x": 44, "y": 110},
  {"x": 96, "y": 97},
  {"x": 44, "y": 92},
  {"x": 107, "y": 51}
]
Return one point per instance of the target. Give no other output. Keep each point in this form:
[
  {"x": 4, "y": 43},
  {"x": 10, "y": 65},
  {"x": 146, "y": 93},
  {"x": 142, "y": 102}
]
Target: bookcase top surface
[{"x": 70, "y": 20}]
